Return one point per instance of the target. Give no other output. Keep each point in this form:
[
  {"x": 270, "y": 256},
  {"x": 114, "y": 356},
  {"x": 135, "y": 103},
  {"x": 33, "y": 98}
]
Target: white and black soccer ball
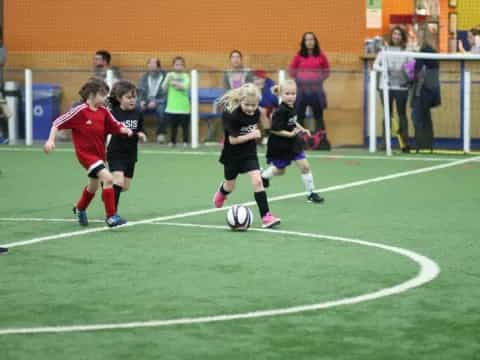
[{"x": 239, "y": 218}]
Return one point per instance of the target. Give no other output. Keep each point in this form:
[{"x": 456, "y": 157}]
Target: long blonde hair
[
  {"x": 280, "y": 88},
  {"x": 232, "y": 98}
]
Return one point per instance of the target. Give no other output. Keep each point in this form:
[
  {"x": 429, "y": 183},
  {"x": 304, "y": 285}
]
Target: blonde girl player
[
  {"x": 284, "y": 144},
  {"x": 122, "y": 151},
  {"x": 90, "y": 123},
  {"x": 239, "y": 155}
]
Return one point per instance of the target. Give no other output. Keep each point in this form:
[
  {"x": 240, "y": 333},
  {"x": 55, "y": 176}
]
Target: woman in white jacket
[{"x": 398, "y": 83}]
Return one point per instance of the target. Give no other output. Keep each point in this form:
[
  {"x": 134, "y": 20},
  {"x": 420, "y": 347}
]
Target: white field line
[
  {"x": 429, "y": 270},
  {"x": 309, "y": 155},
  {"x": 212, "y": 210},
  {"x": 12, "y": 219}
]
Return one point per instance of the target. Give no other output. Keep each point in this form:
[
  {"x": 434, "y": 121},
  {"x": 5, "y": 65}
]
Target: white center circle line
[{"x": 429, "y": 270}]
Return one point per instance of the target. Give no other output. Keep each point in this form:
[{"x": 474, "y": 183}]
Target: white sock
[
  {"x": 308, "y": 182},
  {"x": 268, "y": 172}
]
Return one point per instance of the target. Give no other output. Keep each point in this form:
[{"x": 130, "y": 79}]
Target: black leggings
[
  {"x": 176, "y": 120},
  {"x": 313, "y": 100},
  {"x": 422, "y": 120},
  {"x": 401, "y": 98}
]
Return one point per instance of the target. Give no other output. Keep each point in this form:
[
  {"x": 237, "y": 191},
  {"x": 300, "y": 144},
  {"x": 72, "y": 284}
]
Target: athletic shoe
[
  {"x": 160, "y": 138},
  {"x": 265, "y": 182},
  {"x": 269, "y": 220},
  {"x": 81, "y": 215},
  {"x": 219, "y": 199},
  {"x": 3, "y": 250},
  {"x": 115, "y": 220},
  {"x": 315, "y": 198}
]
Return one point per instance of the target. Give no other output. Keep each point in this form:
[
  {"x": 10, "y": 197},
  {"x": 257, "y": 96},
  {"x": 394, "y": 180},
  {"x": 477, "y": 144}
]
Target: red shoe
[{"x": 269, "y": 220}]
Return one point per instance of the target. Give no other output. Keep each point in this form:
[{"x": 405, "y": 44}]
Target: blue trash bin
[{"x": 46, "y": 108}]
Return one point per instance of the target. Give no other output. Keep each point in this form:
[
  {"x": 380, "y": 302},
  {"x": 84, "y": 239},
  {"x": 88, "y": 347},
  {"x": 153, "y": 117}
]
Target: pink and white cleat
[
  {"x": 269, "y": 220},
  {"x": 219, "y": 199}
]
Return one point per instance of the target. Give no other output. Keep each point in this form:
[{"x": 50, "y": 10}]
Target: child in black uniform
[
  {"x": 122, "y": 152},
  {"x": 284, "y": 145},
  {"x": 239, "y": 154}
]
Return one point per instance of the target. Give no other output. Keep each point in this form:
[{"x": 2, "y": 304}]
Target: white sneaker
[{"x": 160, "y": 138}]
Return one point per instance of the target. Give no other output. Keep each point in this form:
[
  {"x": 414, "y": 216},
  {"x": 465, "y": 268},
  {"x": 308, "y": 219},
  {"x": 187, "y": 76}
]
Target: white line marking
[
  {"x": 429, "y": 270},
  {"x": 276, "y": 198},
  {"x": 310, "y": 155},
  {"x": 47, "y": 220}
]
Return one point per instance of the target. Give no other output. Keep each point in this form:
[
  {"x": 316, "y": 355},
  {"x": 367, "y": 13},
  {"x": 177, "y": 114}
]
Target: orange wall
[
  {"x": 203, "y": 26},
  {"x": 395, "y": 7}
]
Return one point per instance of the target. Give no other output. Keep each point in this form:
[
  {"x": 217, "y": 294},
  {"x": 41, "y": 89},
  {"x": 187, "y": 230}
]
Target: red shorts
[{"x": 90, "y": 161}]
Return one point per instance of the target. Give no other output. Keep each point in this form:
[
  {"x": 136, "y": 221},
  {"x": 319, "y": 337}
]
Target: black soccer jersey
[
  {"x": 236, "y": 124},
  {"x": 121, "y": 146},
  {"x": 279, "y": 147}
]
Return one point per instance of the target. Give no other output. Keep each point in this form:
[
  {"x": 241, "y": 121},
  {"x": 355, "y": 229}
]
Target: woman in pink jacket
[{"x": 310, "y": 68}]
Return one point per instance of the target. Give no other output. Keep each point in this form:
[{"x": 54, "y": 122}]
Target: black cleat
[
  {"x": 265, "y": 182},
  {"x": 81, "y": 215},
  {"x": 315, "y": 198},
  {"x": 3, "y": 250}
]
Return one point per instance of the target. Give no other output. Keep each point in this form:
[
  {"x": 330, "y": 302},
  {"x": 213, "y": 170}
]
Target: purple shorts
[{"x": 281, "y": 164}]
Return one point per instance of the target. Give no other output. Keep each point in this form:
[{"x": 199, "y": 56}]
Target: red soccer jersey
[{"x": 89, "y": 132}]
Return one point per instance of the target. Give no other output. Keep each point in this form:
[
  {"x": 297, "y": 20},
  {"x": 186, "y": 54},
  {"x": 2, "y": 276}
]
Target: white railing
[
  {"x": 194, "y": 129},
  {"x": 372, "y": 94},
  {"x": 372, "y": 107},
  {"x": 28, "y": 107}
]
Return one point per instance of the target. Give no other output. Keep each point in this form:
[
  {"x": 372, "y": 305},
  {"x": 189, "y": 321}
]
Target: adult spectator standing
[
  {"x": 310, "y": 67},
  {"x": 426, "y": 93},
  {"x": 398, "y": 83},
  {"x": 152, "y": 96}
]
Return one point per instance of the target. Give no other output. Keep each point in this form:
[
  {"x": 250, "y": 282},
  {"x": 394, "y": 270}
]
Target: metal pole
[
  {"x": 466, "y": 111},
  {"x": 282, "y": 75},
  {"x": 386, "y": 104},
  {"x": 109, "y": 78},
  {"x": 28, "y": 107},
  {"x": 372, "y": 107},
  {"x": 194, "y": 115}
]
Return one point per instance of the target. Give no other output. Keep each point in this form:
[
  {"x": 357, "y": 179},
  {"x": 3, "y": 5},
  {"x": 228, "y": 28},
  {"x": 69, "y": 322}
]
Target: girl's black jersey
[
  {"x": 122, "y": 147},
  {"x": 236, "y": 124},
  {"x": 279, "y": 147}
]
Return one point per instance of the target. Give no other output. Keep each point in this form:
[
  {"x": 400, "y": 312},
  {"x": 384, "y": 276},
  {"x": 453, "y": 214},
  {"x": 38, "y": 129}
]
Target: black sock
[
  {"x": 262, "y": 202},
  {"x": 223, "y": 191},
  {"x": 118, "y": 189}
]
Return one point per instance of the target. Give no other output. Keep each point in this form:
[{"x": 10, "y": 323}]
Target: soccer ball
[{"x": 239, "y": 218}]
